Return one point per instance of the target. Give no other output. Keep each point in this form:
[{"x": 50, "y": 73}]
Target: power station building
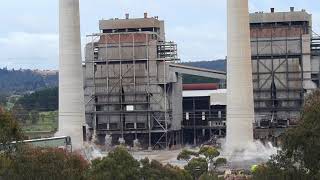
[
  {"x": 204, "y": 113},
  {"x": 285, "y": 61},
  {"x": 130, "y": 91},
  {"x": 134, "y": 90},
  {"x": 286, "y": 66}
]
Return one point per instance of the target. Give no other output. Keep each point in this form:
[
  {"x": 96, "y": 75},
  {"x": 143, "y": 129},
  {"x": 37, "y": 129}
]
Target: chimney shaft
[
  {"x": 127, "y": 15},
  {"x": 71, "y": 94},
  {"x": 240, "y": 109},
  {"x": 145, "y": 15}
]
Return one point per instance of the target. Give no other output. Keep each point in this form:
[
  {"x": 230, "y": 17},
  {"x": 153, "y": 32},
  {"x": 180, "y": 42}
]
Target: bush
[
  {"x": 196, "y": 167},
  {"x": 119, "y": 164},
  {"x": 154, "y": 170},
  {"x": 39, "y": 164}
]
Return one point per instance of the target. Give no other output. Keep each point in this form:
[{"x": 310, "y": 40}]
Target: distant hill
[
  {"x": 42, "y": 100},
  {"x": 22, "y": 81},
  {"x": 219, "y": 64}
]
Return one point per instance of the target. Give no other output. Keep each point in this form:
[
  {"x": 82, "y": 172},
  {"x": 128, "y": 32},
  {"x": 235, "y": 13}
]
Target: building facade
[
  {"x": 285, "y": 66},
  {"x": 131, "y": 95},
  {"x": 204, "y": 113}
]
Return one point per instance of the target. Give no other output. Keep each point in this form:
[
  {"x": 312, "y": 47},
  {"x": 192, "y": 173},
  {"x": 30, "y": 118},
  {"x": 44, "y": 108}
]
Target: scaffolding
[{"x": 129, "y": 89}]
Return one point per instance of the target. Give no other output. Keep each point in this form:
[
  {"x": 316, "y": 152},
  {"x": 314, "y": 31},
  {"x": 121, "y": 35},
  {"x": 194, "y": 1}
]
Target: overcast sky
[{"x": 29, "y": 29}]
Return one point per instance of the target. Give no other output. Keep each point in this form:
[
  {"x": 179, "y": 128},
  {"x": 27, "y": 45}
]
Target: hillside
[
  {"x": 43, "y": 100},
  {"x": 214, "y": 65},
  {"x": 219, "y": 64},
  {"x": 37, "y": 111},
  {"x": 22, "y": 81}
]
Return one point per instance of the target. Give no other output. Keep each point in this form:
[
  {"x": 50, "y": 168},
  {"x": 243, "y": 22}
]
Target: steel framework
[
  {"x": 129, "y": 82},
  {"x": 278, "y": 70}
]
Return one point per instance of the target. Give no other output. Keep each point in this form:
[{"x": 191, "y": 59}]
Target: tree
[
  {"x": 300, "y": 154},
  {"x": 119, "y": 164},
  {"x": 21, "y": 114},
  {"x": 186, "y": 155},
  {"x": 42, "y": 100},
  {"x": 9, "y": 128},
  {"x": 210, "y": 153},
  {"x": 196, "y": 167},
  {"x": 154, "y": 170},
  {"x": 3, "y": 99},
  {"x": 34, "y": 116},
  {"x": 220, "y": 162},
  {"x": 38, "y": 164}
]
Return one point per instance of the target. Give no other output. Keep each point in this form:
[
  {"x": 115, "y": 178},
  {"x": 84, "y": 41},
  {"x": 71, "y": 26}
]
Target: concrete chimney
[
  {"x": 71, "y": 93},
  {"x": 240, "y": 109}
]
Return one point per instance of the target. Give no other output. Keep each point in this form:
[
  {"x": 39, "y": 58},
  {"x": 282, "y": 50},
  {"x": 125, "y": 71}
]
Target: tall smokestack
[
  {"x": 71, "y": 94},
  {"x": 240, "y": 109}
]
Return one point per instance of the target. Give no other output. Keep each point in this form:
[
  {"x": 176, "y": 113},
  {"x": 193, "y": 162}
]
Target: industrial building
[
  {"x": 285, "y": 61},
  {"x": 131, "y": 93},
  {"x": 204, "y": 113},
  {"x": 134, "y": 90},
  {"x": 285, "y": 64},
  {"x": 133, "y": 86}
]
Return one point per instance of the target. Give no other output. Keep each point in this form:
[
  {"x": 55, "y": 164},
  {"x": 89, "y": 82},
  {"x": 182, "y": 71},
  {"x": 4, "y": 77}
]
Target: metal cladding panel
[
  {"x": 240, "y": 106},
  {"x": 71, "y": 94},
  {"x": 176, "y": 100},
  {"x": 315, "y": 64}
]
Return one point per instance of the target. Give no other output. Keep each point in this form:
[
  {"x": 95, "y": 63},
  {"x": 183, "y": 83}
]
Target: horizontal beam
[{"x": 183, "y": 69}]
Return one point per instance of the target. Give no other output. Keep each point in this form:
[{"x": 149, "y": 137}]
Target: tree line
[{"x": 22, "y": 81}]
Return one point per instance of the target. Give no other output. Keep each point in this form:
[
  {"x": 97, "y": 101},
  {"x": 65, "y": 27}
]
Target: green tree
[
  {"x": 186, "y": 155},
  {"x": 220, "y": 162},
  {"x": 34, "y": 116},
  {"x": 196, "y": 167},
  {"x": 210, "y": 153},
  {"x": 9, "y": 128},
  {"x": 3, "y": 99},
  {"x": 39, "y": 164},
  {"x": 154, "y": 170},
  {"x": 42, "y": 100},
  {"x": 21, "y": 114},
  {"x": 119, "y": 164}
]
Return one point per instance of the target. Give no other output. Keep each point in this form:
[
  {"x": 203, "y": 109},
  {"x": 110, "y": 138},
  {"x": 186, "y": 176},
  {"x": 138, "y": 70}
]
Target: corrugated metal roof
[{"x": 217, "y": 97}]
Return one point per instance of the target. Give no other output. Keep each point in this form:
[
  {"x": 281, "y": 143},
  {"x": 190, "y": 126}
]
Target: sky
[{"x": 29, "y": 29}]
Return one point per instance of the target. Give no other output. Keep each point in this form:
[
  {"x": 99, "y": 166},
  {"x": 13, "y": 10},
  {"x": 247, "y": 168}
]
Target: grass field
[{"x": 47, "y": 122}]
